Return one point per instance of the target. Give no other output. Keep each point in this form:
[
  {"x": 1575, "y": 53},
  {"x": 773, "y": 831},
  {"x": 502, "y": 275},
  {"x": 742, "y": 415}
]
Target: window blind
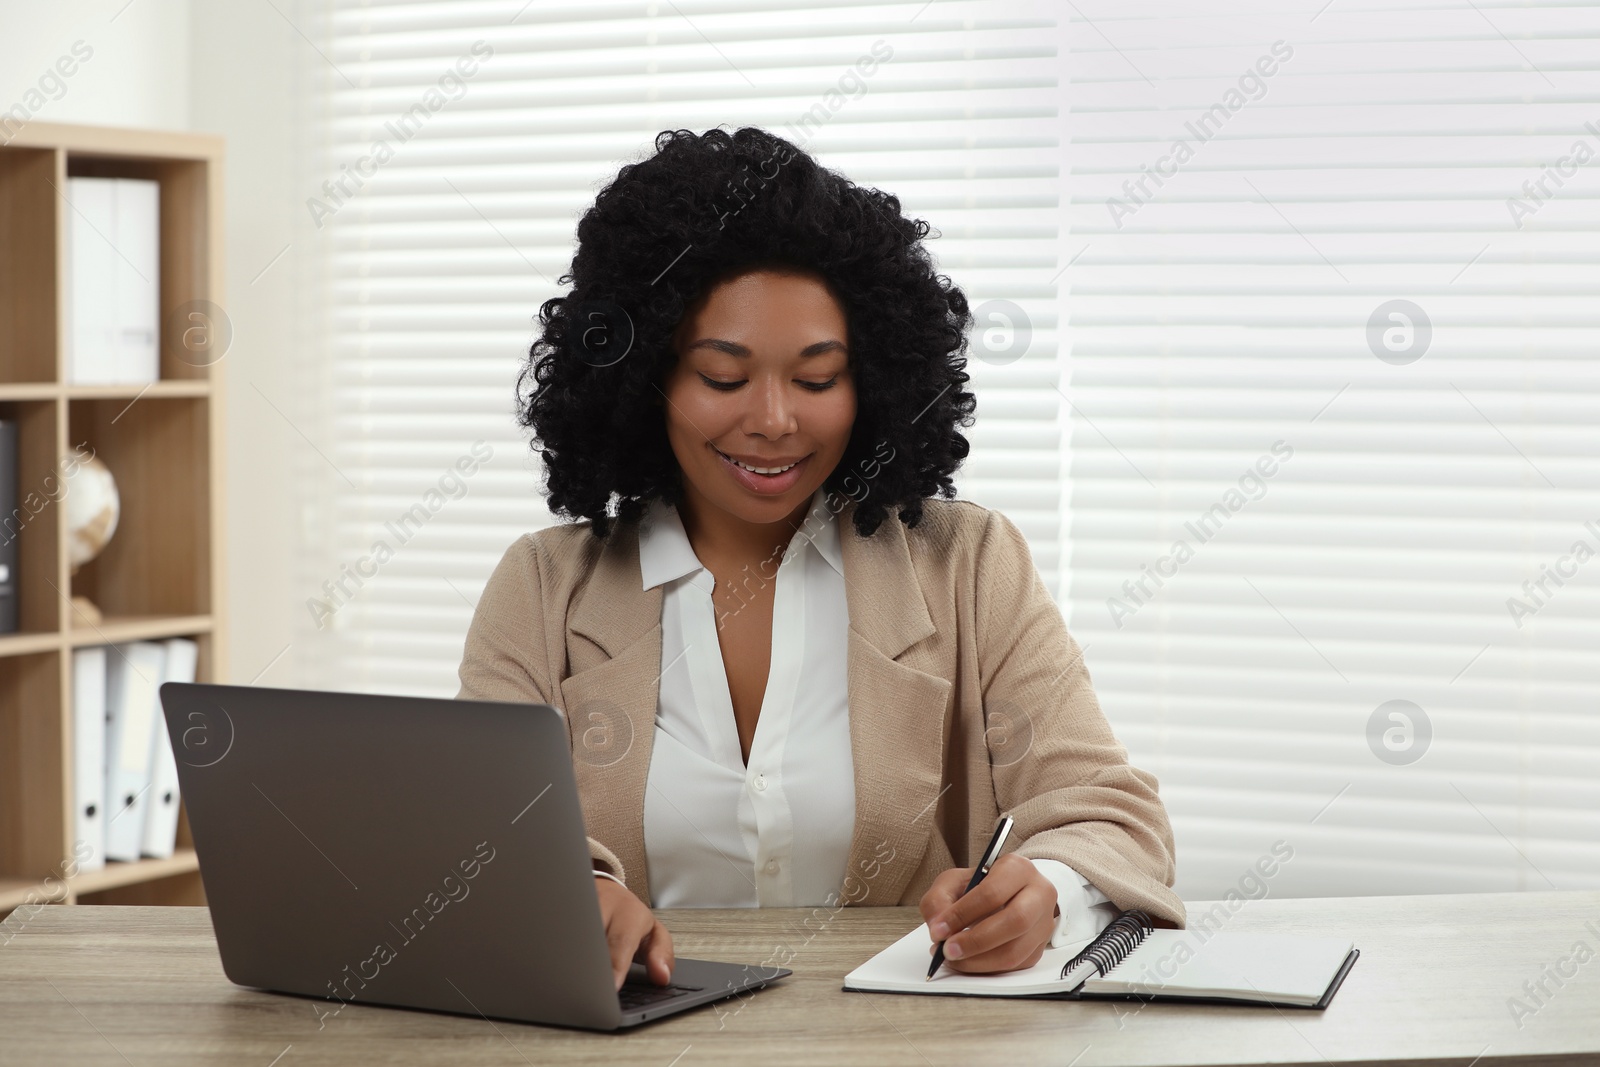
[
  {"x": 1334, "y": 505},
  {"x": 462, "y": 140}
]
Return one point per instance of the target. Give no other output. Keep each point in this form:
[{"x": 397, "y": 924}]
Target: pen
[{"x": 990, "y": 854}]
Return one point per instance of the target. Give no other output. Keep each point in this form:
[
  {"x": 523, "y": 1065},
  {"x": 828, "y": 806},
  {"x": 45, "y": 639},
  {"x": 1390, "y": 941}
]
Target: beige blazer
[{"x": 967, "y": 698}]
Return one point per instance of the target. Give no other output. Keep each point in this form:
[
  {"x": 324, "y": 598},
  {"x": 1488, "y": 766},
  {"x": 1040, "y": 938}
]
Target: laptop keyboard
[{"x": 634, "y": 995}]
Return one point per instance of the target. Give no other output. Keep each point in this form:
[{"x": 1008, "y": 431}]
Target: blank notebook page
[
  {"x": 1288, "y": 968},
  {"x": 903, "y": 968}
]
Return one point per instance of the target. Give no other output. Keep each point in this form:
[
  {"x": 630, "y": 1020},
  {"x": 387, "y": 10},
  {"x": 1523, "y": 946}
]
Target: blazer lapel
[
  {"x": 610, "y": 698},
  {"x": 897, "y": 714}
]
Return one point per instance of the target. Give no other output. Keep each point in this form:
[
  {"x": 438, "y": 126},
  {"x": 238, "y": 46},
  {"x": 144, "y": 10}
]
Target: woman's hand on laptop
[
  {"x": 1003, "y": 924},
  {"x": 633, "y": 933}
]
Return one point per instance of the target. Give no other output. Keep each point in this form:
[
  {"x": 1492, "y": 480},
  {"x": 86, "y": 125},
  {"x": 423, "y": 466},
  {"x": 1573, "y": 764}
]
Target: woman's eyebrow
[{"x": 733, "y": 348}]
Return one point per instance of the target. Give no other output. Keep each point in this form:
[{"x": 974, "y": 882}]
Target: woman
[{"x": 792, "y": 674}]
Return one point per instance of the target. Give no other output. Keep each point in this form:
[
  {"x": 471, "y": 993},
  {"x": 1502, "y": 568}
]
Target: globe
[{"x": 93, "y": 507}]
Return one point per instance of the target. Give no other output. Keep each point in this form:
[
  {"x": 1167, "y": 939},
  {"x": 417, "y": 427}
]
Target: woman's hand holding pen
[
  {"x": 633, "y": 933},
  {"x": 1005, "y": 923}
]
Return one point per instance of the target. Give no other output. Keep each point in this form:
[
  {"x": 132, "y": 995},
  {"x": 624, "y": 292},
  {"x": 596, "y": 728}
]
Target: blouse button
[
  {"x": 772, "y": 867},
  {"x": 761, "y": 783}
]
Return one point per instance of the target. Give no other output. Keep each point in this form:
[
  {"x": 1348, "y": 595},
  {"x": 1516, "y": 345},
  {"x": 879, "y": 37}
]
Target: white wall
[
  {"x": 136, "y": 73},
  {"x": 243, "y": 61},
  {"x": 225, "y": 67}
]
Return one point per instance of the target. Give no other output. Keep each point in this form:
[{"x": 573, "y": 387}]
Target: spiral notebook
[{"x": 1132, "y": 960}]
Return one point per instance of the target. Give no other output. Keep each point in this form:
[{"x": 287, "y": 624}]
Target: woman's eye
[{"x": 815, "y": 387}]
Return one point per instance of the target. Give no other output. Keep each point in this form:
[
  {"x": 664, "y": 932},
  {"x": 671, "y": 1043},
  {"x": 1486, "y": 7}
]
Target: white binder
[
  {"x": 161, "y": 813},
  {"x": 91, "y": 280},
  {"x": 132, "y": 674},
  {"x": 89, "y": 757},
  {"x": 113, "y": 275}
]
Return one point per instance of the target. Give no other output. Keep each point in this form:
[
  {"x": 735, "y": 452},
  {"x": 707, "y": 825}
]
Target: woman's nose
[{"x": 773, "y": 409}]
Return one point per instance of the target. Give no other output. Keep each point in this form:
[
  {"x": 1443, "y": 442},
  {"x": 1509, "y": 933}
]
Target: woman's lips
[{"x": 763, "y": 484}]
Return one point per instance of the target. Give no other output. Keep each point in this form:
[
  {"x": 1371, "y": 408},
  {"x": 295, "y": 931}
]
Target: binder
[
  {"x": 91, "y": 280},
  {"x": 138, "y": 206},
  {"x": 133, "y": 673},
  {"x": 113, "y": 274},
  {"x": 161, "y": 812},
  {"x": 89, "y": 757}
]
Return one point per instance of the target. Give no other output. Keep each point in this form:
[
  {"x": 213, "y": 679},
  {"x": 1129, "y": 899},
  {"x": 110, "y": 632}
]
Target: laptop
[{"x": 408, "y": 852}]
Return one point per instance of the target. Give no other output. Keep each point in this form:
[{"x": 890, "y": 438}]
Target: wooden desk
[{"x": 133, "y": 986}]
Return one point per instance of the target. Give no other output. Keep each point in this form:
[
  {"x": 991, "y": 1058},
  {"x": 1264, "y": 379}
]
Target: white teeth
[
  {"x": 764, "y": 470},
  {"x": 757, "y": 470}
]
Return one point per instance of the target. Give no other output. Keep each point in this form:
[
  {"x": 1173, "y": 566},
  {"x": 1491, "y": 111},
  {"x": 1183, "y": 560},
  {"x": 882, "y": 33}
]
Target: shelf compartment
[
  {"x": 36, "y": 523},
  {"x": 185, "y": 248},
  {"x": 34, "y": 803},
  {"x": 159, "y": 560},
  {"x": 28, "y": 220}
]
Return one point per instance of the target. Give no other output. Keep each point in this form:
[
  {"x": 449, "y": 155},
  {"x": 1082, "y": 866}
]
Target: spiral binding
[{"x": 1112, "y": 946}]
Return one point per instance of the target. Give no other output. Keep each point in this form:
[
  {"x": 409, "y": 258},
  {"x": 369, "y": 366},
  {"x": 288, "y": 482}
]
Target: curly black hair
[{"x": 704, "y": 208}]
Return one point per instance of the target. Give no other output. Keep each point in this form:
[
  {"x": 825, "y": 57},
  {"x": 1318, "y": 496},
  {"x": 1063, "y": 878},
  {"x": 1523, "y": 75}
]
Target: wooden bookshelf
[{"x": 161, "y": 574}]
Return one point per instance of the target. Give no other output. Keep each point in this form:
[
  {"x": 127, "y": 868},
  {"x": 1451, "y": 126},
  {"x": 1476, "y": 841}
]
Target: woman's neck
[{"x": 720, "y": 538}]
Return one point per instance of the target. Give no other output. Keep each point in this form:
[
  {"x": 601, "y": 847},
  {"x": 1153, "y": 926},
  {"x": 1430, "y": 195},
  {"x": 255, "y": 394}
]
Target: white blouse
[{"x": 775, "y": 833}]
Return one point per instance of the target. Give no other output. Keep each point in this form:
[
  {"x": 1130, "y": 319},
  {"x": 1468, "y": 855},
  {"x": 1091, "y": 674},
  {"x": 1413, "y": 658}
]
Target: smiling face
[{"x": 763, "y": 379}]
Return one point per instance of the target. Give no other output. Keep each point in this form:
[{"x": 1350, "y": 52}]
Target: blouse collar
[{"x": 665, "y": 553}]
